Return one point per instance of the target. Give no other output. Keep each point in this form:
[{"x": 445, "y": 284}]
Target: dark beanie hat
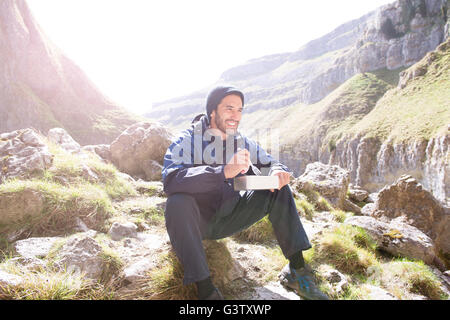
[{"x": 217, "y": 94}]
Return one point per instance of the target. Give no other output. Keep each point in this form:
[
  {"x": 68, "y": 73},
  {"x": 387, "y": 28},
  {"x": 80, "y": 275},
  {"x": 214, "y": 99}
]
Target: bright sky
[{"x": 139, "y": 51}]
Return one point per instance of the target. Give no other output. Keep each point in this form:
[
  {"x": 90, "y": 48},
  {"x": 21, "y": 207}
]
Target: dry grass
[
  {"x": 59, "y": 207},
  {"x": 347, "y": 248},
  {"x": 166, "y": 282},
  {"x": 47, "y": 284},
  {"x": 403, "y": 277}
]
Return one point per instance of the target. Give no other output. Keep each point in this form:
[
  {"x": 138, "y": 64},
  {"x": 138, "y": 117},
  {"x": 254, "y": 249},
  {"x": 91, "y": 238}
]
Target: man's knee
[{"x": 180, "y": 204}]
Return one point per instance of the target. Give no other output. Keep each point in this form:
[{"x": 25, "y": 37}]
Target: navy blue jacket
[{"x": 194, "y": 164}]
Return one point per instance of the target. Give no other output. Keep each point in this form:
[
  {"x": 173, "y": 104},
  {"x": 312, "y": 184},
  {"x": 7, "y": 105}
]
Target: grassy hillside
[
  {"x": 421, "y": 109},
  {"x": 325, "y": 121},
  {"x": 368, "y": 104}
]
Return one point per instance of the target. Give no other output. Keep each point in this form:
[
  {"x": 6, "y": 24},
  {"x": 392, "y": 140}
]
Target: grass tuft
[{"x": 347, "y": 248}]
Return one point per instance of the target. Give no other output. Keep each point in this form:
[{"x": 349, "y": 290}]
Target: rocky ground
[{"x": 74, "y": 227}]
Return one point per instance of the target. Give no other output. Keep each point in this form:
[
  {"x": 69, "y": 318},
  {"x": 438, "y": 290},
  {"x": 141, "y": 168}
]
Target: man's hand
[
  {"x": 283, "y": 177},
  {"x": 239, "y": 163}
]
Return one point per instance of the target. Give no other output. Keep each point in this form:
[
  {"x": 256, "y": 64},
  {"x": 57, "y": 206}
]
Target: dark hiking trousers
[{"x": 187, "y": 228}]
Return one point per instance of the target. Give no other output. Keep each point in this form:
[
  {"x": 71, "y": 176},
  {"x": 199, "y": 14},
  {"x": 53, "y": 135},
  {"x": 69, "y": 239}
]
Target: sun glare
[{"x": 139, "y": 52}]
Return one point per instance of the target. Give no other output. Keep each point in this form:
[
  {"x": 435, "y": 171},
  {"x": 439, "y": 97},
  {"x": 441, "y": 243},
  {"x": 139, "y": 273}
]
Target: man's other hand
[{"x": 283, "y": 177}]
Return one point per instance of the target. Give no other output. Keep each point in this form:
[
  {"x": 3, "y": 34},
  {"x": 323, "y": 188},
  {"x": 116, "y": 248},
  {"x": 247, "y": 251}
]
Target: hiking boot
[
  {"x": 215, "y": 295},
  {"x": 302, "y": 281}
]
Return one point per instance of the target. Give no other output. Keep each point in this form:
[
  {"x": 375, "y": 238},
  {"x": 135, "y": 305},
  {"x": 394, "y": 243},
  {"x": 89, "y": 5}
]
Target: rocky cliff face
[
  {"x": 373, "y": 164},
  {"x": 42, "y": 88},
  {"x": 402, "y": 130}
]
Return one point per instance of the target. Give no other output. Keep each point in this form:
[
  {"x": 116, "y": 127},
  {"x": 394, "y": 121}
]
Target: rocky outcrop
[
  {"x": 397, "y": 238},
  {"x": 395, "y": 35},
  {"x": 407, "y": 198},
  {"x": 140, "y": 149},
  {"x": 357, "y": 194},
  {"x": 122, "y": 230},
  {"x": 374, "y": 164},
  {"x": 330, "y": 181},
  {"x": 101, "y": 150},
  {"x": 22, "y": 153},
  {"x": 62, "y": 138},
  {"x": 81, "y": 255},
  {"x": 408, "y": 202}
]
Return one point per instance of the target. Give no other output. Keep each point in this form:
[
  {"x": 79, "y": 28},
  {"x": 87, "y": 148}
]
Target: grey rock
[
  {"x": 16, "y": 206},
  {"x": 377, "y": 293},
  {"x": 62, "y": 138},
  {"x": 397, "y": 238},
  {"x": 23, "y": 152},
  {"x": 406, "y": 198},
  {"x": 372, "y": 197},
  {"x": 35, "y": 247},
  {"x": 357, "y": 194},
  {"x": 368, "y": 209},
  {"x": 81, "y": 255},
  {"x": 101, "y": 150},
  {"x": 330, "y": 181},
  {"x": 351, "y": 207},
  {"x": 122, "y": 230},
  {"x": 337, "y": 281},
  {"x": 137, "y": 271},
  {"x": 147, "y": 142},
  {"x": 273, "y": 291},
  {"x": 9, "y": 280}
]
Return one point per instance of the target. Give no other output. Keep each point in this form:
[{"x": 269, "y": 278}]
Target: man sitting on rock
[{"x": 202, "y": 203}]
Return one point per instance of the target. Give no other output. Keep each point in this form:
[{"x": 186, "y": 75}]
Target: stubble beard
[{"x": 221, "y": 125}]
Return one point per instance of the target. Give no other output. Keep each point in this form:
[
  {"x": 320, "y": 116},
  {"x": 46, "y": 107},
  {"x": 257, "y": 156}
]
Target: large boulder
[
  {"x": 22, "y": 153},
  {"x": 407, "y": 198},
  {"x": 139, "y": 150},
  {"x": 330, "y": 181},
  {"x": 397, "y": 238},
  {"x": 357, "y": 194}
]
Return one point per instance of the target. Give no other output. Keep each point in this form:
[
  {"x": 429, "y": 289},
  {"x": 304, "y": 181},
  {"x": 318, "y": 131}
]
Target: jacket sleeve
[
  {"x": 180, "y": 174},
  {"x": 265, "y": 162}
]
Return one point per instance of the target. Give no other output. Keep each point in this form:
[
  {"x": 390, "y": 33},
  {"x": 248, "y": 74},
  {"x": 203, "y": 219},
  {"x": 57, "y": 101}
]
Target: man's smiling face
[{"x": 227, "y": 116}]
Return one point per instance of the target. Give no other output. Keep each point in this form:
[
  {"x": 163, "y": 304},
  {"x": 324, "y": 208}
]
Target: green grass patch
[
  {"x": 51, "y": 208},
  {"x": 70, "y": 169},
  {"x": 48, "y": 284},
  {"x": 141, "y": 210},
  {"x": 340, "y": 216},
  {"x": 420, "y": 110},
  {"x": 305, "y": 208},
  {"x": 349, "y": 249},
  {"x": 403, "y": 276}
]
